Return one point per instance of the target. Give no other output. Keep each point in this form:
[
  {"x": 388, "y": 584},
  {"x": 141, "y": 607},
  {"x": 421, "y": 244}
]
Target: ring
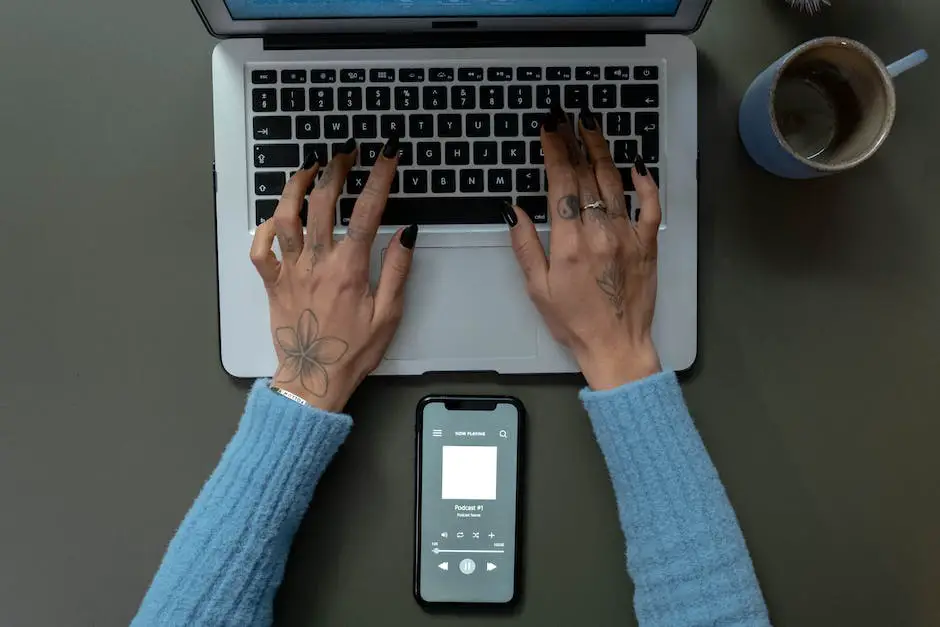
[{"x": 597, "y": 205}]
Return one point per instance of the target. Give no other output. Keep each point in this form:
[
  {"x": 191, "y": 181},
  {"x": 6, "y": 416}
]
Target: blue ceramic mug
[{"x": 824, "y": 107}]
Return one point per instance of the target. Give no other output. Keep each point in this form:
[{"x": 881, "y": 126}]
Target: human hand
[
  {"x": 597, "y": 291},
  {"x": 330, "y": 330}
]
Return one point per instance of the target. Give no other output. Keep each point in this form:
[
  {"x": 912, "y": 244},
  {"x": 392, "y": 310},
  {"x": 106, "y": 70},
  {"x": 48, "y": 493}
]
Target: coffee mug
[{"x": 824, "y": 107}]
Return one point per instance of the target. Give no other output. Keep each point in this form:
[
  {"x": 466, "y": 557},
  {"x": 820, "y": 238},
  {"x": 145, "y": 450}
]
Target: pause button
[{"x": 467, "y": 566}]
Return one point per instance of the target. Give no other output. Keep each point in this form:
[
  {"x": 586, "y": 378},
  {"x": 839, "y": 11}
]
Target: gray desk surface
[{"x": 816, "y": 387}]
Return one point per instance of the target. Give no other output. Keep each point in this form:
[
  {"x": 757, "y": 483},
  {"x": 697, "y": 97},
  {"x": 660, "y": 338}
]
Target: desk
[{"x": 816, "y": 388}]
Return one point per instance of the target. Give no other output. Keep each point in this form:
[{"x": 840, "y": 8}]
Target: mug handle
[{"x": 907, "y": 63}]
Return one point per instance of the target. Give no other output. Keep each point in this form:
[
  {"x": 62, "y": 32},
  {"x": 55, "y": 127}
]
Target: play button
[
  {"x": 490, "y": 566},
  {"x": 443, "y": 565}
]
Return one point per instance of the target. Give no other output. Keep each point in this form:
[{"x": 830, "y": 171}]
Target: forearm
[
  {"x": 685, "y": 550},
  {"x": 227, "y": 559}
]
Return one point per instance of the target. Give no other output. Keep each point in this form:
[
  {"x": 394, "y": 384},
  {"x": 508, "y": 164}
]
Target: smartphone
[{"x": 468, "y": 511}]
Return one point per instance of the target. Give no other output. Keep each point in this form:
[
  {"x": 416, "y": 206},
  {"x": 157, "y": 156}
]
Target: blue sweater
[{"x": 685, "y": 551}]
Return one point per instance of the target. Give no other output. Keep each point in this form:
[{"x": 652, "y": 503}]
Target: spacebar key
[{"x": 429, "y": 210}]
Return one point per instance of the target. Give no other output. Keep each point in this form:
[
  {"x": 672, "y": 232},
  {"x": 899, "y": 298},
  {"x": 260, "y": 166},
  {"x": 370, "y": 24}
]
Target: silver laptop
[{"x": 466, "y": 83}]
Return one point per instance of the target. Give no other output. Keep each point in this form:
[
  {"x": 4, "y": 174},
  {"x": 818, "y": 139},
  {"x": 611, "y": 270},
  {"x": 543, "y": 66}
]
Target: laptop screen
[{"x": 280, "y": 9}]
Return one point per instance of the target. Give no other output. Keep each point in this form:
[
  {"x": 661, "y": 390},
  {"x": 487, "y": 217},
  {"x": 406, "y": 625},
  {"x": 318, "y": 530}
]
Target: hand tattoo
[
  {"x": 316, "y": 246},
  {"x": 568, "y": 208},
  {"x": 327, "y": 177},
  {"x": 306, "y": 354},
  {"x": 612, "y": 282}
]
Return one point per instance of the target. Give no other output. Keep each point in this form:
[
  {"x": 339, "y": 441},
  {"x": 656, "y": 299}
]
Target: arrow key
[{"x": 639, "y": 96}]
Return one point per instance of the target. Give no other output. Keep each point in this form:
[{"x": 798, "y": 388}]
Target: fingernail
[
  {"x": 509, "y": 214},
  {"x": 550, "y": 122},
  {"x": 587, "y": 119},
  {"x": 347, "y": 148},
  {"x": 409, "y": 236},
  {"x": 640, "y": 166},
  {"x": 391, "y": 147},
  {"x": 309, "y": 160},
  {"x": 559, "y": 114}
]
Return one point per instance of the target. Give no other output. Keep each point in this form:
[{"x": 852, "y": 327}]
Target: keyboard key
[
  {"x": 308, "y": 127},
  {"x": 627, "y": 179},
  {"x": 406, "y": 98},
  {"x": 587, "y": 73},
  {"x": 443, "y": 182},
  {"x": 392, "y": 124},
  {"x": 639, "y": 96},
  {"x": 499, "y": 180},
  {"x": 470, "y": 74},
  {"x": 263, "y": 100},
  {"x": 356, "y": 181},
  {"x": 647, "y": 127},
  {"x": 416, "y": 181},
  {"x": 260, "y": 77},
  {"x": 605, "y": 96},
  {"x": 336, "y": 127},
  {"x": 321, "y": 99},
  {"x": 463, "y": 97},
  {"x": 429, "y": 210},
  {"x": 654, "y": 172},
  {"x": 484, "y": 153},
  {"x": 411, "y": 75},
  {"x": 646, "y": 73},
  {"x": 264, "y": 210},
  {"x": 513, "y": 153},
  {"x": 457, "y": 153},
  {"x": 271, "y": 127},
  {"x": 316, "y": 149},
  {"x": 293, "y": 76},
  {"x": 385, "y": 75},
  {"x": 547, "y": 96},
  {"x": 506, "y": 124},
  {"x": 478, "y": 125},
  {"x": 369, "y": 153},
  {"x": 527, "y": 180},
  {"x": 576, "y": 96},
  {"x": 520, "y": 97},
  {"x": 364, "y": 126},
  {"x": 352, "y": 76},
  {"x": 499, "y": 74},
  {"x": 529, "y": 74},
  {"x": 435, "y": 98},
  {"x": 335, "y": 147},
  {"x": 531, "y": 124},
  {"x": 277, "y": 156},
  {"x": 491, "y": 97},
  {"x": 405, "y": 153},
  {"x": 618, "y": 124},
  {"x": 536, "y": 156},
  {"x": 293, "y": 99},
  {"x": 625, "y": 151},
  {"x": 421, "y": 125},
  {"x": 378, "y": 98},
  {"x": 617, "y": 73},
  {"x": 448, "y": 125},
  {"x": 440, "y": 75},
  {"x": 350, "y": 98},
  {"x": 429, "y": 153},
  {"x": 535, "y": 206},
  {"x": 322, "y": 76},
  {"x": 395, "y": 185},
  {"x": 558, "y": 74},
  {"x": 471, "y": 181},
  {"x": 269, "y": 183}
]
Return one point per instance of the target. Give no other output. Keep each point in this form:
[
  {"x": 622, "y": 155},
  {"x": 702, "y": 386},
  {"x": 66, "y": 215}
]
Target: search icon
[{"x": 503, "y": 434}]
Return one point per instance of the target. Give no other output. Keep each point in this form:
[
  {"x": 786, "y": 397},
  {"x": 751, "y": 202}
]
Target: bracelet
[{"x": 289, "y": 395}]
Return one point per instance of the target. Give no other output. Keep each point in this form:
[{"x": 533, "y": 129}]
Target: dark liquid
[{"x": 816, "y": 108}]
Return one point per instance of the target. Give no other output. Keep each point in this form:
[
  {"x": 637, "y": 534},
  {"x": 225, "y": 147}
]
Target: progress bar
[{"x": 468, "y": 551}]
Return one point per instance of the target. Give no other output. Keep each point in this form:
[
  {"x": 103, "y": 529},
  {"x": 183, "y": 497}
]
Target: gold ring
[{"x": 597, "y": 205}]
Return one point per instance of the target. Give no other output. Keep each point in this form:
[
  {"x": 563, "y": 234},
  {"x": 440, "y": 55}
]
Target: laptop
[{"x": 465, "y": 82}]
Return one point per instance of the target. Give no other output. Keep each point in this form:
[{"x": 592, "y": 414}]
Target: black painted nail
[
  {"x": 640, "y": 166},
  {"x": 587, "y": 119},
  {"x": 509, "y": 214},
  {"x": 347, "y": 148},
  {"x": 550, "y": 122},
  {"x": 559, "y": 114},
  {"x": 409, "y": 236},
  {"x": 309, "y": 160},
  {"x": 391, "y": 147}
]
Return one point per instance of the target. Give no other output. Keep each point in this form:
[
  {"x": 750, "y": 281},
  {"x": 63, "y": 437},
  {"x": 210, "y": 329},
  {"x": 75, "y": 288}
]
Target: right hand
[{"x": 597, "y": 292}]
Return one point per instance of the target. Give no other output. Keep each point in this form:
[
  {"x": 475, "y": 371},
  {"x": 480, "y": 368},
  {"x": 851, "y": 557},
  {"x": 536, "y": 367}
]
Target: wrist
[
  {"x": 611, "y": 369},
  {"x": 331, "y": 403}
]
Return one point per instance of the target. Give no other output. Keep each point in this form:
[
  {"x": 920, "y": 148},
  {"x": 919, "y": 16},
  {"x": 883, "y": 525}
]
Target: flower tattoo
[{"x": 306, "y": 354}]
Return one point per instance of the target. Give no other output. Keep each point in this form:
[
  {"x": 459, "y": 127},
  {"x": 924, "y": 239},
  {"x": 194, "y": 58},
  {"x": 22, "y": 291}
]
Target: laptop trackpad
[{"x": 466, "y": 303}]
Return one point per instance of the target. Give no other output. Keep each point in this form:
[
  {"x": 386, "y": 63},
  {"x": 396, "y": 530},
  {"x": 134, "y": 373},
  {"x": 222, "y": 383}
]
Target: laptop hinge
[{"x": 454, "y": 39}]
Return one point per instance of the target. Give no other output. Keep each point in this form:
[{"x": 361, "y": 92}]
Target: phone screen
[{"x": 468, "y": 468}]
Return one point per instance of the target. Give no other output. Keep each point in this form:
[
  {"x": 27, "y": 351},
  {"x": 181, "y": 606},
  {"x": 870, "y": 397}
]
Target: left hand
[{"x": 330, "y": 330}]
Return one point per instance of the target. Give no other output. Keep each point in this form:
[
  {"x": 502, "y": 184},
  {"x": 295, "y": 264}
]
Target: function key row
[{"x": 466, "y": 74}]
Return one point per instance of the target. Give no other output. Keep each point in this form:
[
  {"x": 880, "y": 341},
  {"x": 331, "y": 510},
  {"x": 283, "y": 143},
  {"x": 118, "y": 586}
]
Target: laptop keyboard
[{"x": 469, "y": 134}]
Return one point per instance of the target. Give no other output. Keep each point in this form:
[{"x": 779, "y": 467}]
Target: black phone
[{"x": 468, "y": 499}]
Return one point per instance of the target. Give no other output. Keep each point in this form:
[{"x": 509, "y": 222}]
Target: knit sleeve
[
  {"x": 685, "y": 551},
  {"x": 227, "y": 559}
]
